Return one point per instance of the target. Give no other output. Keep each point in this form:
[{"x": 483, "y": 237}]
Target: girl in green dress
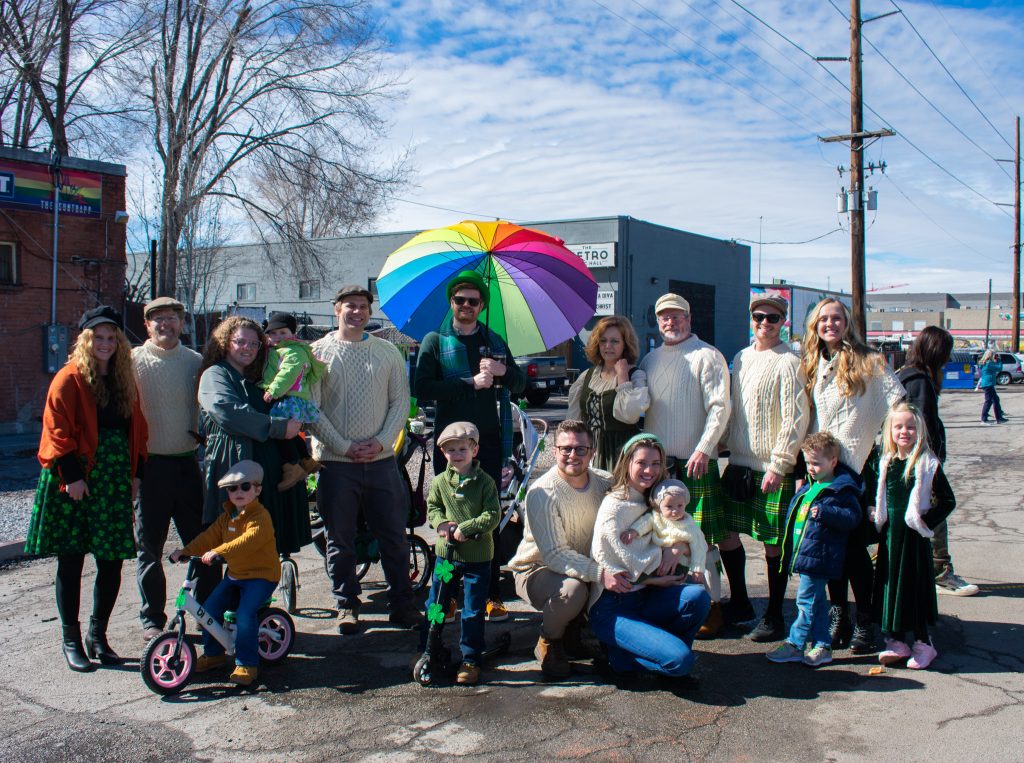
[{"x": 912, "y": 497}]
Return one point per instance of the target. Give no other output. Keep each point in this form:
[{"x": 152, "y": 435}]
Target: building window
[
  {"x": 309, "y": 290},
  {"x": 919, "y": 325},
  {"x": 874, "y": 326},
  {"x": 371, "y": 286},
  {"x": 245, "y": 292},
  {"x": 897, "y": 325},
  {"x": 8, "y": 273}
]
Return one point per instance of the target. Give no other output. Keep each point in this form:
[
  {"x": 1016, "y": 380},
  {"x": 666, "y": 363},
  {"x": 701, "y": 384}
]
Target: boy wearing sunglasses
[{"x": 243, "y": 536}]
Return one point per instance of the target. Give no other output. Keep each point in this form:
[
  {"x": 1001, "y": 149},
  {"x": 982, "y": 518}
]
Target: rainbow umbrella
[{"x": 540, "y": 292}]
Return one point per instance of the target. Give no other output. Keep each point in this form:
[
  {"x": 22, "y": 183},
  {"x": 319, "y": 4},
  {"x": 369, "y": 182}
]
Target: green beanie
[{"x": 470, "y": 277}]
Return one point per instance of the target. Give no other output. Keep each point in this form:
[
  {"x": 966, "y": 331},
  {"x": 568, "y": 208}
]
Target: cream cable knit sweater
[
  {"x": 689, "y": 388},
  {"x": 363, "y": 394},
  {"x": 643, "y": 556},
  {"x": 168, "y": 383},
  {"x": 854, "y": 421},
  {"x": 769, "y": 410},
  {"x": 560, "y": 526}
]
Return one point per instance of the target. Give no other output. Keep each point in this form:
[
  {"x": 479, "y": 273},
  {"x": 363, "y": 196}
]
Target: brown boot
[
  {"x": 291, "y": 475},
  {"x": 713, "y": 625},
  {"x": 550, "y": 653},
  {"x": 310, "y": 465}
]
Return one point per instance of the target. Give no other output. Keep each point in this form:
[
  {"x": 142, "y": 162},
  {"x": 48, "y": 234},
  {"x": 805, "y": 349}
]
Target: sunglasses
[
  {"x": 568, "y": 450},
  {"x": 243, "y": 487},
  {"x": 772, "y": 318},
  {"x": 471, "y": 301}
]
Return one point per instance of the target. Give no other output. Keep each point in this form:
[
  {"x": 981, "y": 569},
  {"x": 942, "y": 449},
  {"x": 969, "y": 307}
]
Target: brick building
[{"x": 40, "y": 312}]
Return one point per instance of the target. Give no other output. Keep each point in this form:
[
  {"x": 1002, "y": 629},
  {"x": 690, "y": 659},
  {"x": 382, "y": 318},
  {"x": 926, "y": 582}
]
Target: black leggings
[
  {"x": 857, "y": 573},
  {"x": 69, "y": 587}
]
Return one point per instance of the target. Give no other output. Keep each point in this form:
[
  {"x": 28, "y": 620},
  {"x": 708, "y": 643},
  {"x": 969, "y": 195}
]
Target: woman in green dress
[
  {"x": 92, "y": 450},
  {"x": 912, "y": 496},
  {"x": 611, "y": 396},
  {"x": 237, "y": 423}
]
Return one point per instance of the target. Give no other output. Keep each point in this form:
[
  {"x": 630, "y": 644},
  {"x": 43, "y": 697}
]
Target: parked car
[
  {"x": 545, "y": 375},
  {"x": 1011, "y": 368}
]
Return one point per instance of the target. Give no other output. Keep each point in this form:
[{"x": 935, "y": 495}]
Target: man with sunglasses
[
  {"x": 688, "y": 381},
  {"x": 770, "y": 416},
  {"x": 364, "y": 401},
  {"x": 552, "y": 568},
  {"x": 457, "y": 368}
]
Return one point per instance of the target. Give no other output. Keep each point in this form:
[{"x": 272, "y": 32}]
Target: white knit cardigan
[{"x": 920, "y": 495}]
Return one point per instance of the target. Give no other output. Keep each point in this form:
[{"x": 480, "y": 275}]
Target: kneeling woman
[
  {"x": 92, "y": 449},
  {"x": 649, "y": 624}
]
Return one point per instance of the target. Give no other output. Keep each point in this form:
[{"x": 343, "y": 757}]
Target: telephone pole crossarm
[{"x": 886, "y": 133}]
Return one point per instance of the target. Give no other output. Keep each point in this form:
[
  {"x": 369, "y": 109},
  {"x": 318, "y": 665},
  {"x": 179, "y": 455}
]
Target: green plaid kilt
[
  {"x": 706, "y": 501},
  {"x": 763, "y": 516}
]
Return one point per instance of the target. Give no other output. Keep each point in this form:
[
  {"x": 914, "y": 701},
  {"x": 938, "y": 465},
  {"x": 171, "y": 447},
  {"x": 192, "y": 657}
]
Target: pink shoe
[
  {"x": 923, "y": 654},
  {"x": 895, "y": 651}
]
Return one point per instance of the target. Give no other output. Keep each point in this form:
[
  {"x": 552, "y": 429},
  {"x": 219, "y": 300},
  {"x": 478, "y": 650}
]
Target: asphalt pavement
[{"x": 351, "y": 698}]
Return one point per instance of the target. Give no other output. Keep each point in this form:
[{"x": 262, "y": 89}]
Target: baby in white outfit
[{"x": 669, "y": 525}]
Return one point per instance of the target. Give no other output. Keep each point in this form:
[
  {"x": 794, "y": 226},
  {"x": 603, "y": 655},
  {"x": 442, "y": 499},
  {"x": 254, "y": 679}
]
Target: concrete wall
[{"x": 94, "y": 276}]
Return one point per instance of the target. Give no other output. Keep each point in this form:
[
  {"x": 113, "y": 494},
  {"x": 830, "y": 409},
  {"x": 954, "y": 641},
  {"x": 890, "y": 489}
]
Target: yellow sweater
[{"x": 246, "y": 542}]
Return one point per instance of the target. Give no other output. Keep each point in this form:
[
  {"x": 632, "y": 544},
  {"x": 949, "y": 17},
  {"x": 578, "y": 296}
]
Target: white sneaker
[{"x": 952, "y": 584}]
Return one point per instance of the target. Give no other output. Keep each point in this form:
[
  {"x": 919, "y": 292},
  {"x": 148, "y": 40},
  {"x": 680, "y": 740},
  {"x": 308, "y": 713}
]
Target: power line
[
  {"x": 789, "y": 243},
  {"x": 948, "y": 72},
  {"x": 472, "y": 215}
]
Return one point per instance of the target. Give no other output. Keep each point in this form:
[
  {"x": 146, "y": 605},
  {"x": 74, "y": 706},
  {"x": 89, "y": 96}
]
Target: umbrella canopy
[{"x": 540, "y": 292}]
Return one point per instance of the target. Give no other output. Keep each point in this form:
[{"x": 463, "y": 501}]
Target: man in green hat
[{"x": 457, "y": 368}]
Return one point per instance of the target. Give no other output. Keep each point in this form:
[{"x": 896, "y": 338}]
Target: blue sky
[{"x": 692, "y": 114}]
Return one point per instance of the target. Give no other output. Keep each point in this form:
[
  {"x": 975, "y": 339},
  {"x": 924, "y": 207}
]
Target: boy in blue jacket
[{"x": 820, "y": 516}]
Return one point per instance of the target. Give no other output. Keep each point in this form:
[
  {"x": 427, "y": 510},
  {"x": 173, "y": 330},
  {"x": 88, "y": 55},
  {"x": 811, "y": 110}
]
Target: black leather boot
[
  {"x": 863, "y": 640},
  {"x": 73, "y": 652},
  {"x": 96, "y": 643}
]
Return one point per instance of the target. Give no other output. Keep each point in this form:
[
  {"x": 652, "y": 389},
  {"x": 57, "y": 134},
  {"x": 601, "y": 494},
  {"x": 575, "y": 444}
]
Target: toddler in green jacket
[{"x": 463, "y": 507}]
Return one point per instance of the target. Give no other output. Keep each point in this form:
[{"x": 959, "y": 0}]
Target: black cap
[
  {"x": 98, "y": 315},
  {"x": 353, "y": 290},
  {"x": 280, "y": 320}
]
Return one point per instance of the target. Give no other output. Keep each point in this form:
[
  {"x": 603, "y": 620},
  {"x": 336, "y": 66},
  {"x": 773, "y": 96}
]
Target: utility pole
[
  {"x": 988, "y": 315},
  {"x": 858, "y": 279},
  {"x": 1015, "y": 319}
]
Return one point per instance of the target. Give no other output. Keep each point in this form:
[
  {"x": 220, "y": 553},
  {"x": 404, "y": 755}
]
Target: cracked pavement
[{"x": 350, "y": 698}]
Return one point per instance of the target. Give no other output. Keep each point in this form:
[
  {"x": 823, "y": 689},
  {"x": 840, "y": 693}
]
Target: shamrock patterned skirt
[{"x": 101, "y": 523}]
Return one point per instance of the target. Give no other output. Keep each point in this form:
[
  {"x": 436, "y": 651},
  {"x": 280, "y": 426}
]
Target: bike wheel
[
  {"x": 276, "y": 635},
  {"x": 161, "y": 672},
  {"x": 421, "y": 562},
  {"x": 362, "y": 569},
  {"x": 289, "y": 585}
]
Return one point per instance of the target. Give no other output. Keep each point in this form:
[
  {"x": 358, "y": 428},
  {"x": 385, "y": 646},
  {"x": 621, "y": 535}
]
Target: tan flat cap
[
  {"x": 162, "y": 302},
  {"x": 459, "y": 430},
  {"x": 243, "y": 471},
  {"x": 671, "y": 301},
  {"x": 772, "y": 300}
]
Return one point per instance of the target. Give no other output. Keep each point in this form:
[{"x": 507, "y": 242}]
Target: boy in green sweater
[{"x": 463, "y": 507}]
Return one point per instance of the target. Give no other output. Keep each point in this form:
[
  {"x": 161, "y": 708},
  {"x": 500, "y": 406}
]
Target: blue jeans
[
  {"x": 811, "y": 624},
  {"x": 476, "y": 576},
  {"x": 651, "y": 629},
  {"x": 251, "y": 595},
  {"x": 991, "y": 399}
]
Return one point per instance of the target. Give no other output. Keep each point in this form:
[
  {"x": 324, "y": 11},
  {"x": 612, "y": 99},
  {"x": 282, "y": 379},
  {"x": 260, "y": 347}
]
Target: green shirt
[{"x": 471, "y": 502}]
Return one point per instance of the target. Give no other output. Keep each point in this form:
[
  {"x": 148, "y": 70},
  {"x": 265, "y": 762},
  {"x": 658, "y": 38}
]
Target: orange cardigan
[{"x": 69, "y": 423}]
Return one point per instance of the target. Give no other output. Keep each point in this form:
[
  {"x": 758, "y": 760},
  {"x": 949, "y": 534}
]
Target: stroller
[{"x": 527, "y": 445}]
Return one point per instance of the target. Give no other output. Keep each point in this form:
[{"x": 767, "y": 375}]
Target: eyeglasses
[
  {"x": 471, "y": 301},
  {"x": 243, "y": 487},
  {"x": 164, "y": 319},
  {"x": 667, "y": 317},
  {"x": 568, "y": 450},
  {"x": 772, "y": 318},
  {"x": 242, "y": 345}
]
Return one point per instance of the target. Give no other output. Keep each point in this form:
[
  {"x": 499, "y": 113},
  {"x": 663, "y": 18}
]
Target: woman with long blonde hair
[
  {"x": 92, "y": 450},
  {"x": 651, "y": 626},
  {"x": 611, "y": 395},
  {"x": 238, "y": 426},
  {"x": 851, "y": 389}
]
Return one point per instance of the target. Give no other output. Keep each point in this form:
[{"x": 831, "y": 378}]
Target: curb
[{"x": 12, "y": 550}]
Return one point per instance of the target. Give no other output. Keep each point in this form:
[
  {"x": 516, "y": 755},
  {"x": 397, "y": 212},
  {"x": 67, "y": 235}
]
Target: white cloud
[{"x": 560, "y": 109}]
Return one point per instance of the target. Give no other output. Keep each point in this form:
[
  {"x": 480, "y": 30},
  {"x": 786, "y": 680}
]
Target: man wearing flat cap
[
  {"x": 768, "y": 423},
  {"x": 688, "y": 381},
  {"x": 364, "y": 401},
  {"x": 167, "y": 374},
  {"x": 460, "y": 367}
]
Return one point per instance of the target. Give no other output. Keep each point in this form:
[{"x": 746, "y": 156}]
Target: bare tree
[
  {"x": 58, "y": 80},
  {"x": 239, "y": 87},
  {"x": 201, "y": 277}
]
